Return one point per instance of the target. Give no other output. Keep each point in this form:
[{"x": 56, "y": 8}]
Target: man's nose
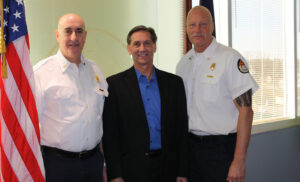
[
  {"x": 142, "y": 47},
  {"x": 198, "y": 27},
  {"x": 73, "y": 35}
]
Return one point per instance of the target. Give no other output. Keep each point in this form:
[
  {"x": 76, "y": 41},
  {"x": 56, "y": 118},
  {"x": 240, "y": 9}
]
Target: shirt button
[
  {"x": 86, "y": 106},
  {"x": 148, "y": 99},
  {"x": 148, "y": 113}
]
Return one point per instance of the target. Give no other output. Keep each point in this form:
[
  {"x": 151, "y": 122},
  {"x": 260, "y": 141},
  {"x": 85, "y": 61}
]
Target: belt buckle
[
  {"x": 201, "y": 138},
  {"x": 152, "y": 153},
  {"x": 81, "y": 155}
]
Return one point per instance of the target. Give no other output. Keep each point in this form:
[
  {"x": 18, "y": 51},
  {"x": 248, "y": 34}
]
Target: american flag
[
  {"x": 209, "y": 4},
  {"x": 20, "y": 154}
]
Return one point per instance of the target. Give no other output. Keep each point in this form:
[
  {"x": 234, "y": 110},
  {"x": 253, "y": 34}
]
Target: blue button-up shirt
[{"x": 151, "y": 99}]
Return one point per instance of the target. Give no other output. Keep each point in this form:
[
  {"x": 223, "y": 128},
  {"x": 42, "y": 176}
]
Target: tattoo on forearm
[{"x": 245, "y": 99}]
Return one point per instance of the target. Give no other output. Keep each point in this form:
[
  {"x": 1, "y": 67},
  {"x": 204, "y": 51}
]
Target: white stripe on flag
[
  {"x": 23, "y": 53},
  {"x": 13, "y": 155}
]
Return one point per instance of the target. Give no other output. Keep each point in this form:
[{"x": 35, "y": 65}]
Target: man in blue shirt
[{"x": 145, "y": 118}]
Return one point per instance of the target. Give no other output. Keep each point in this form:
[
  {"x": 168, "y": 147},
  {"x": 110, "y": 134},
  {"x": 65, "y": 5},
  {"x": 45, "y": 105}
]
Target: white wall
[{"x": 108, "y": 22}]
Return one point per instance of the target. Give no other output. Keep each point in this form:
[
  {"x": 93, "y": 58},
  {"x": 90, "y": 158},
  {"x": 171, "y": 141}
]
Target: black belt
[
  {"x": 153, "y": 153},
  {"x": 208, "y": 138},
  {"x": 67, "y": 154}
]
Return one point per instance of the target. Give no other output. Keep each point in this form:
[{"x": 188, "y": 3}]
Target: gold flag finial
[{"x": 2, "y": 44}]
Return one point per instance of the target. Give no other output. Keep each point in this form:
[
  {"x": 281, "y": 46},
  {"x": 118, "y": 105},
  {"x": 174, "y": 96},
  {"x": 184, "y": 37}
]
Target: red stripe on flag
[
  {"x": 6, "y": 169},
  {"x": 19, "y": 137},
  {"x": 16, "y": 68}
]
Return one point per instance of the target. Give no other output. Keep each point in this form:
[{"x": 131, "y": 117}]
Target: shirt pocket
[
  {"x": 100, "y": 95},
  {"x": 208, "y": 87},
  {"x": 62, "y": 101},
  {"x": 63, "y": 94}
]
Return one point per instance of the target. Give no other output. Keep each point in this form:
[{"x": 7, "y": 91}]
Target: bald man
[
  {"x": 70, "y": 92},
  {"x": 219, "y": 92}
]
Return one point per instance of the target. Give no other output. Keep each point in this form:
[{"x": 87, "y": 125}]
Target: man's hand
[
  {"x": 181, "y": 179},
  {"x": 104, "y": 174},
  {"x": 237, "y": 171},
  {"x": 117, "y": 180}
]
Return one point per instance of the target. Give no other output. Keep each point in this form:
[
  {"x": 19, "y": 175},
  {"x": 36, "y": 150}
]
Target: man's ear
[
  {"x": 154, "y": 47},
  {"x": 56, "y": 34},
  {"x": 128, "y": 49}
]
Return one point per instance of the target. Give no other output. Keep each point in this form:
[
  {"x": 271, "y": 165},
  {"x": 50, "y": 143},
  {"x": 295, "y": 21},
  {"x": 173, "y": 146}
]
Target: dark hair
[{"x": 142, "y": 28}]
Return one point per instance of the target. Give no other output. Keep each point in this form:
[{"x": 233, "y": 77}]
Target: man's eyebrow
[{"x": 78, "y": 28}]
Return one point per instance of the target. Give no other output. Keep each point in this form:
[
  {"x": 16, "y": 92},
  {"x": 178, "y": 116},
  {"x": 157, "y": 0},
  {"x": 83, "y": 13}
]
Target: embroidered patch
[{"x": 242, "y": 67}]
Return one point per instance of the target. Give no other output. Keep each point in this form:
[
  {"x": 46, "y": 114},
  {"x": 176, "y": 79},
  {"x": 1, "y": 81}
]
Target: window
[
  {"x": 262, "y": 31},
  {"x": 298, "y": 54}
]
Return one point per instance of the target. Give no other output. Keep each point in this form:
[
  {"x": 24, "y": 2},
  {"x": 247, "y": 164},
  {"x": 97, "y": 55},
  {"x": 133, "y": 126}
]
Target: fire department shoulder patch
[{"x": 242, "y": 67}]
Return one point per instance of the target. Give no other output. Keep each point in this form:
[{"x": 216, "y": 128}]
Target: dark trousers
[
  {"x": 60, "y": 168},
  {"x": 210, "y": 157},
  {"x": 154, "y": 168}
]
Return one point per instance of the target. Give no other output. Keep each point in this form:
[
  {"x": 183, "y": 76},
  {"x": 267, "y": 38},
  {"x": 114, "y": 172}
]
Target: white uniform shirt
[
  {"x": 213, "y": 79},
  {"x": 70, "y": 103}
]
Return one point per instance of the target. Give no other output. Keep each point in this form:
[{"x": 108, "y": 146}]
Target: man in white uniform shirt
[
  {"x": 219, "y": 92},
  {"x": 70, "y": 96}
]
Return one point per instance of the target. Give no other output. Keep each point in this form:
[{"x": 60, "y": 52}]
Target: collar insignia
[
  {"x": 212, "y": 66},
  {"x": 97, "y": 78}
]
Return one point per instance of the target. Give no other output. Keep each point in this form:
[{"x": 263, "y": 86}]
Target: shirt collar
[
  {"x": 139, "y": 74},
  {"x": 64, "y": 63},
  {"x": 208, "y": 52}
]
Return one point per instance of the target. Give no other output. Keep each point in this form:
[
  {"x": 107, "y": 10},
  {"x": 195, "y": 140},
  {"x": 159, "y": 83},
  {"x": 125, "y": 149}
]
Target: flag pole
[{"x": 2, "y": 44}]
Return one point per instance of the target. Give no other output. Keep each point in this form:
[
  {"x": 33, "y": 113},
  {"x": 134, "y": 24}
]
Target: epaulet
[
  {"x": 90, "y": 61},
  {"x": 41, "y": 63}
]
